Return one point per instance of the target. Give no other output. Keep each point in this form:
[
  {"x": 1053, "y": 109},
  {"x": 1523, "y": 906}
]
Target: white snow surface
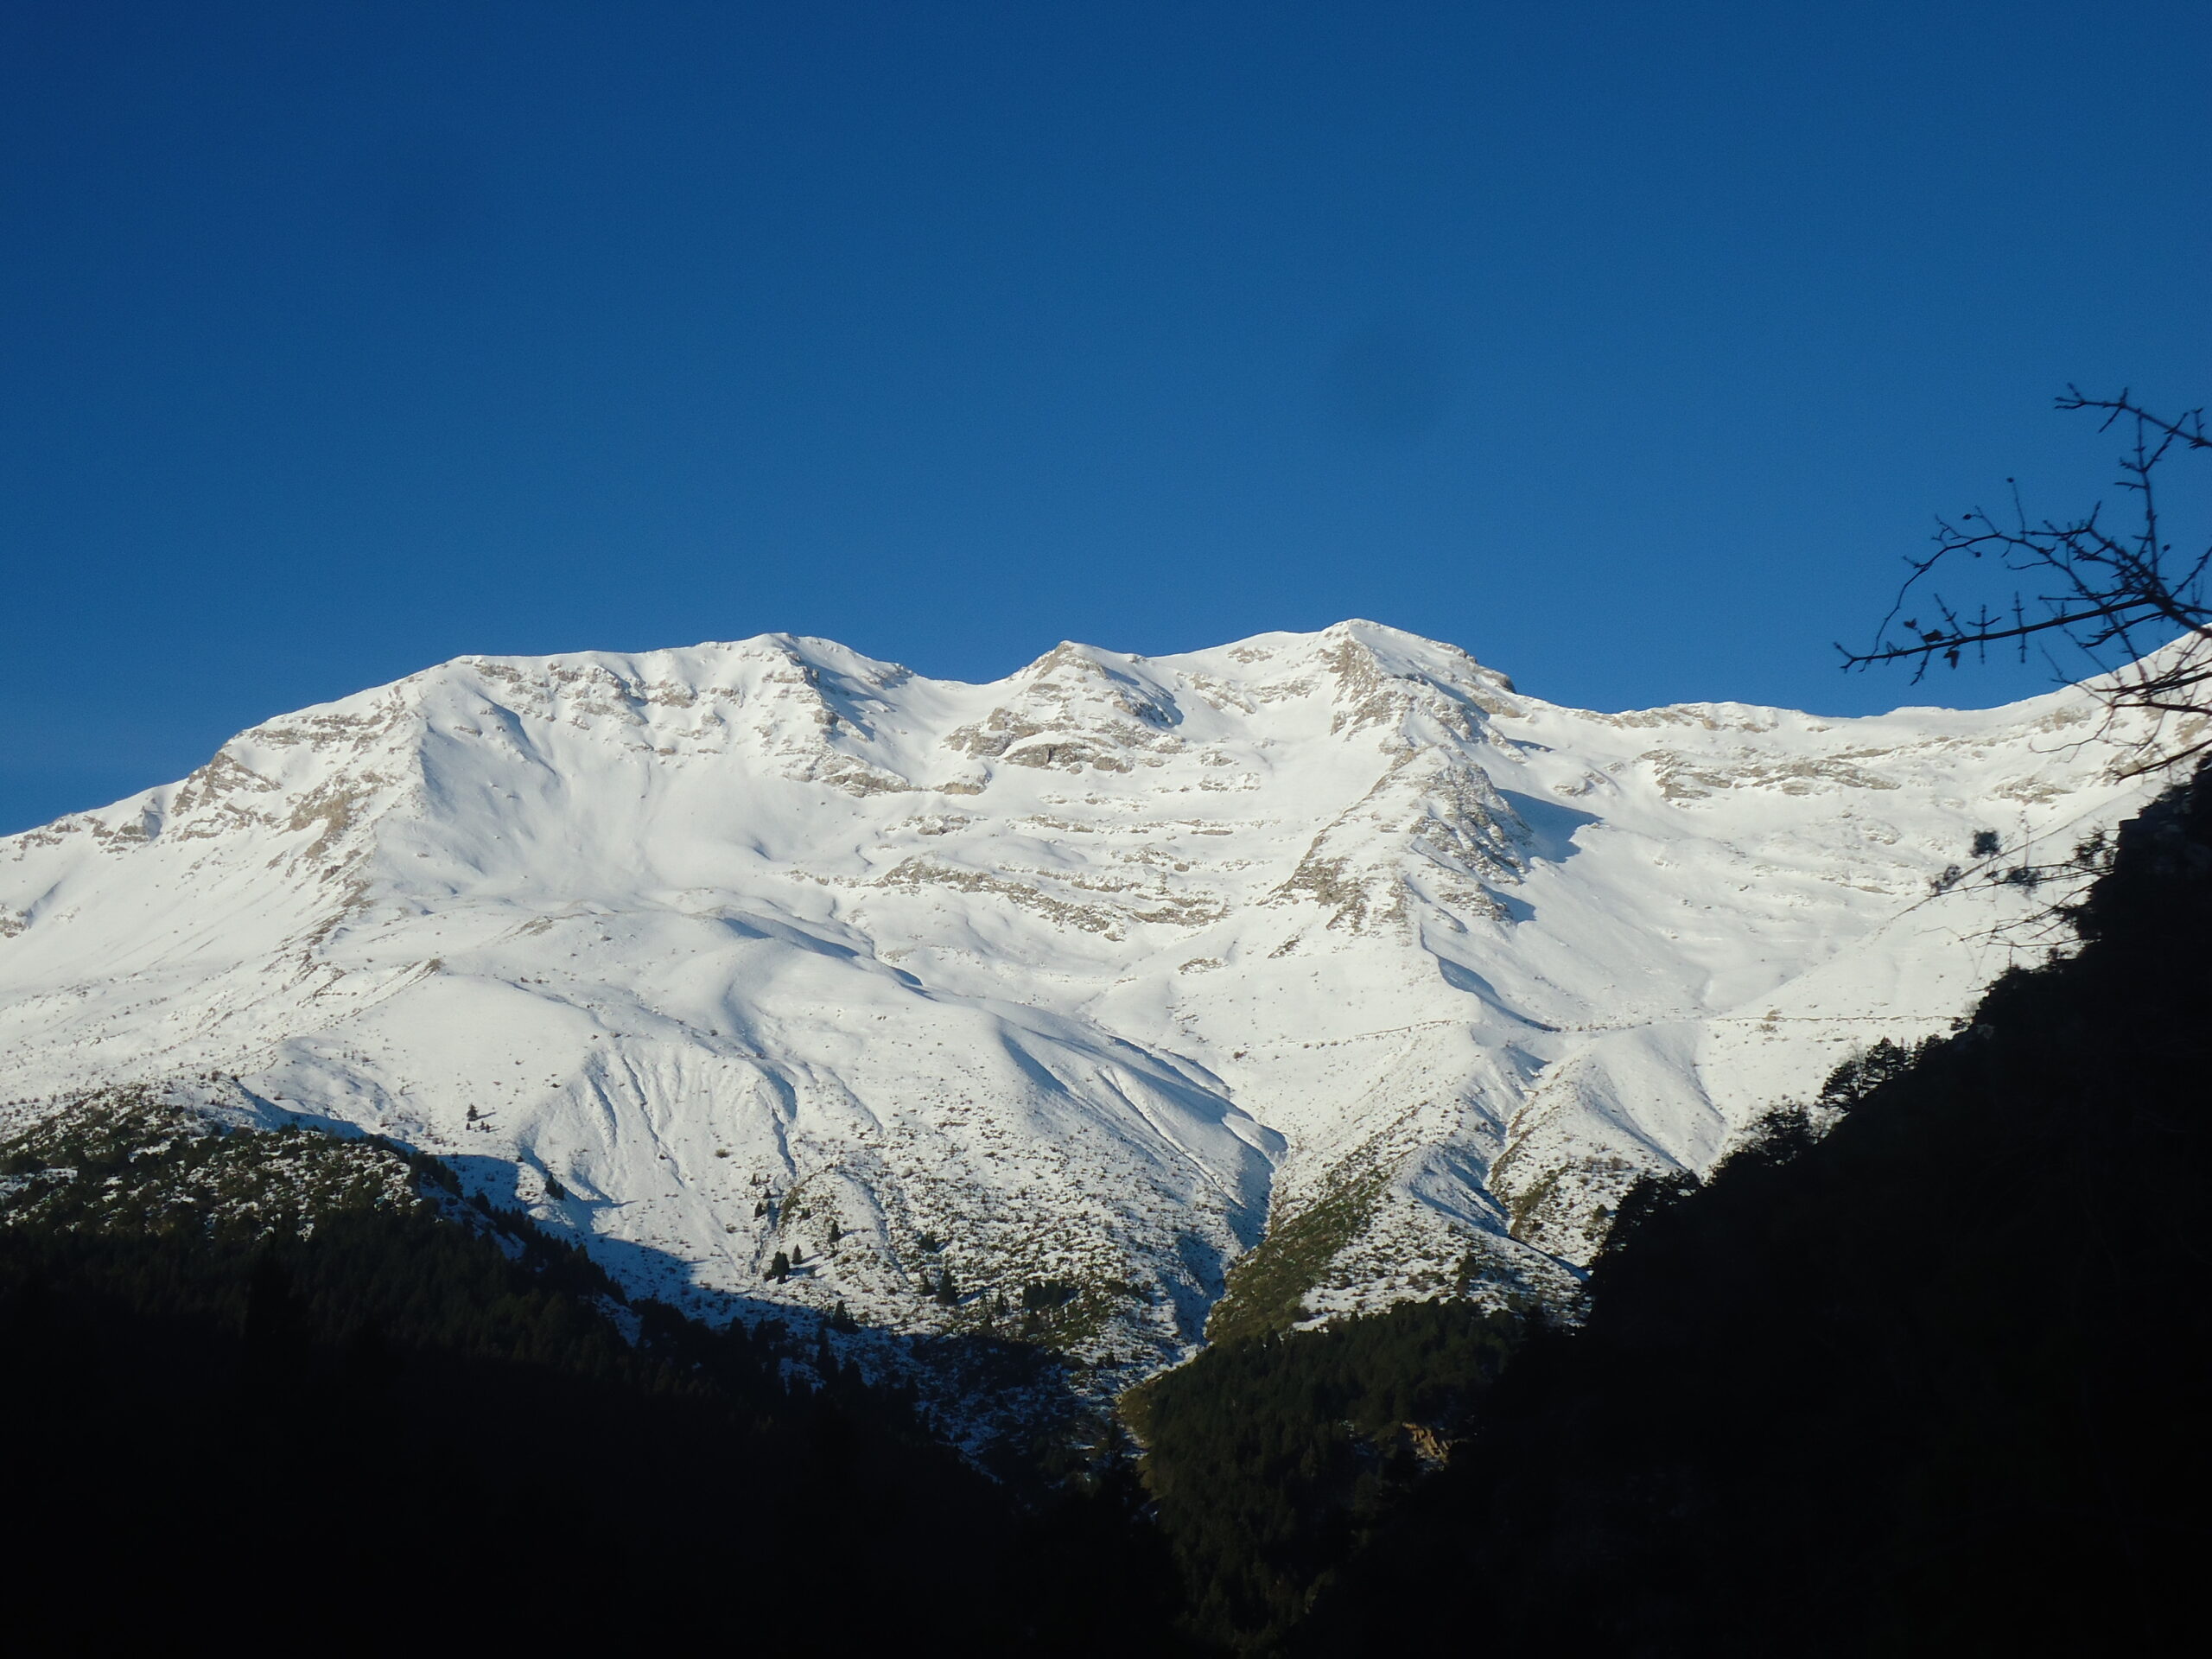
[{"x": 1076, "y": 975}]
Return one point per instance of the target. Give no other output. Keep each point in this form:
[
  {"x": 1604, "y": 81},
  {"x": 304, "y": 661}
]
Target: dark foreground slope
[
  {"x": 288, "y": 1389},
  {"x": 1272, "y": 1459},
  {"x": 1932, "y": 1384}
]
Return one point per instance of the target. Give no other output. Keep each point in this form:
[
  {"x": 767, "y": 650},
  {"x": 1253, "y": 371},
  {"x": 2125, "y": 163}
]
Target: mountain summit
[{"x": 1037, "y": 1005}]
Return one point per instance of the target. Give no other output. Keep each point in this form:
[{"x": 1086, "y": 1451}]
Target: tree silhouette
[{"x": 2121, "y": 600}]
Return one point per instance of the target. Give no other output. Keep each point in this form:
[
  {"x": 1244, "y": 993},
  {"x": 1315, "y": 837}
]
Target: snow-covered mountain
[{"x": 1078, "y": 982}]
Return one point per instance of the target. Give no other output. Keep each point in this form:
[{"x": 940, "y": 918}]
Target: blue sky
[{"x": 1629, "y": 347}]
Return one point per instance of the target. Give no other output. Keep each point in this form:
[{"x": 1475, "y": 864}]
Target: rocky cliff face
[{"x": 1077, "y": 985}]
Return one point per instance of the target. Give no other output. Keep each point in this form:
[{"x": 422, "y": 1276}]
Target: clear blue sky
[{"x": 1628, "y": 346}]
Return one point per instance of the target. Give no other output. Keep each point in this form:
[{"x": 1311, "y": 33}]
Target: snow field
[{"x": 1075, "y": 979}]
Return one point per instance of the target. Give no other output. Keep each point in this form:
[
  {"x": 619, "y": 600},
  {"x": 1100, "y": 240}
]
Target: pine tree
[
  {"x": 947, "y": 1292},
  {"x": 779, "y": 1268}
]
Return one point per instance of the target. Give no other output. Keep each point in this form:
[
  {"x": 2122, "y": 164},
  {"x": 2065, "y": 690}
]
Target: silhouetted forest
[
  {"x": 1931, "y": 1383},
  {"x": 1271, "y": 1459},
  {"x": 419, "y": 1418}
]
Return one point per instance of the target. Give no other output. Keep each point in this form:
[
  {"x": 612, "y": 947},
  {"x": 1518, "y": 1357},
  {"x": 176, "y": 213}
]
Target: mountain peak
[{"x": 1093, "y": 977}]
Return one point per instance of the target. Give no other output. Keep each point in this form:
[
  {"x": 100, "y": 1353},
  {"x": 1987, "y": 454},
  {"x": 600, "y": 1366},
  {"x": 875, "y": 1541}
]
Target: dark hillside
[
  {"x": 289, "y": 1386},
  {"x": 1270, "y": 1458},
  {"x": 1932, "y": 1384}
]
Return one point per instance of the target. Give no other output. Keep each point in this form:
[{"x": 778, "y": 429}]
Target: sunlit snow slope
[{"x": 1078, "y": 977}]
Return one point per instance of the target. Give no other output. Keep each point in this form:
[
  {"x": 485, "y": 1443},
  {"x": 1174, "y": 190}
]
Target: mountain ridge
[{"x": 1083, "y": 979}]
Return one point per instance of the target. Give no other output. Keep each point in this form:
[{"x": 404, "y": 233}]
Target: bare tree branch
[{"x": 2122, "y": 600}]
